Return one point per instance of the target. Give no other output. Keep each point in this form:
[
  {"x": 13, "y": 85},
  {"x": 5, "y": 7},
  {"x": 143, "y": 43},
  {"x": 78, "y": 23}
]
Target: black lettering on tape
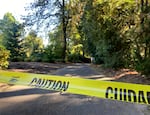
[
  {"x": 125, "y": 94},
  {"x": 50, "y": 84},
  {"x": 54, "y": 85},
  {"x": 38, "y": 84},
  {"x": 148, "y": 97},
  {"x": 120, "y": 94},
  {"x": 141, "y": 98},
  {"x": 58, "y": 85},
  {"x": 42, "y": 83},
  {"x": 132, "y": 94},
  {"x": 111, "y": 93},
  {"x": 46, "y": 81},
  {"x": 108, "y": 91},
  {"x": 116, "y": 93},
  {"x": 33, "y": 82},
  {"x": 65, "y": 86}
]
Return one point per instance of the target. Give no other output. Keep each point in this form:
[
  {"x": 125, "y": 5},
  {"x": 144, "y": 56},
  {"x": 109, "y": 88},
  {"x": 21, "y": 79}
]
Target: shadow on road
[
  {"x": 69, "y": 104},
  {"x": 24, "y": 92}
]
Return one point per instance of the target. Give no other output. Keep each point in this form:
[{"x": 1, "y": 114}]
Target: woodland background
[{"x": 115, "y": 32}]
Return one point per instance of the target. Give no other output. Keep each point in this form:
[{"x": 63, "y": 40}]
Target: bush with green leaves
[
  {"x": 75, "y": 58},
  {"x": 48, "y": 55},
  {"x": 4, "y": 56},
  {"x": 143, "y": 66}
]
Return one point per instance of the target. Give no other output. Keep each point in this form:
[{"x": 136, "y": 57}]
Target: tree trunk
[{"x": 64, "y": 26}]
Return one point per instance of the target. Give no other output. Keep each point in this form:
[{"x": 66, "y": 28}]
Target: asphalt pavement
[{"x": 22, "y": 100}]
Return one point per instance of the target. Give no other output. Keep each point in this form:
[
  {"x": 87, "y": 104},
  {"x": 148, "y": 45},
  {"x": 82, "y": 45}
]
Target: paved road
[{"x": 20, "y": 100}]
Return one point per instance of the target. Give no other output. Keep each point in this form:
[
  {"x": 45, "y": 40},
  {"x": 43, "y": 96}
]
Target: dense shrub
[
  {"x": 4, "y": 55},
  {"x": 48, "y": 55},
  {"x": 143, "y": 66},
  {"x": 77, "y": 58}
]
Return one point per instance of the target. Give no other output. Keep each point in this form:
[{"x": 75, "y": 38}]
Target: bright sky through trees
[{"x": 16, "y": 7}]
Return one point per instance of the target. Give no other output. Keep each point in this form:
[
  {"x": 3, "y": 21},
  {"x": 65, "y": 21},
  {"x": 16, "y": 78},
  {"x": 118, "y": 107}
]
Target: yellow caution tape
[{"x": 127, "y": 92}]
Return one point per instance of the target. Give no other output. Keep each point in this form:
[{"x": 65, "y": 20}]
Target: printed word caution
[
  {"x": 128, "y": 95},
  {"x": 49, "y": 84}
]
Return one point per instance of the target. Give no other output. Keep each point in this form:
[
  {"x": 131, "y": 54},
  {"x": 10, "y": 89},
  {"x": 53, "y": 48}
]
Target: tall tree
[
  {"x": 73, "y": 40},
  {"x": 104, "y": 25},
  {"x": 141, "y": 37},
  {"x": 11, "y": 35},
  {"x": 49, "y": 12},
  {"x": 76, "y": 42}
]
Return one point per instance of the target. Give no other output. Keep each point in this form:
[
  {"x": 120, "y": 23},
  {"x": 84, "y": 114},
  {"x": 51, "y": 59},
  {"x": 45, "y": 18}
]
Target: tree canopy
[
  {"x": 114, "y": 32},
  {"x": 11, "y": 35}
]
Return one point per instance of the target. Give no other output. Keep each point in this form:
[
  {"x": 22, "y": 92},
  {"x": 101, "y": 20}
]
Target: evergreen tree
[{"x": 11, "y": 35}]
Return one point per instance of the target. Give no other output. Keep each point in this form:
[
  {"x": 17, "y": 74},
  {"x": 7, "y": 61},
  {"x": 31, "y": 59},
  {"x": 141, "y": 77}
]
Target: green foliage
[
  {"x": 104, "y": 32},
  {"x": 64, "y": 15},
  {"x": 141, "y": 39},
  {"x": 56, "y": 43},
  {"x": 76, "y": 54},
  {"x": 116, "y": 33},
  {"x": 11, "y": 35},
  {"x": 4, "y": 56},
  {"x": 143, "y": 66},
  {"x": 48, "y": 55},
  {"x": 75, "y": 58},
  {"x": 32, "y": 47}
]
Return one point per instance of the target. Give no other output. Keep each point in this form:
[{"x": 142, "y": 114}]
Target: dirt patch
[
  {"x": 36, "y": 67},
  {"x": 123, "y": 75}
]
